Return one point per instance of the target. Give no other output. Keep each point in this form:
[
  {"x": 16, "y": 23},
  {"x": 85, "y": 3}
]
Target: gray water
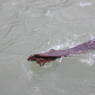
[{"x": 32, "y": 26}]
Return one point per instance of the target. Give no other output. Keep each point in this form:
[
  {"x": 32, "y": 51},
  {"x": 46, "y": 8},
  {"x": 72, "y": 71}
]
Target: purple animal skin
[{"x": 52, "y": 54}]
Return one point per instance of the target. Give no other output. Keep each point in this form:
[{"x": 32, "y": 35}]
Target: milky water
[{"x": 32, "y": 26}]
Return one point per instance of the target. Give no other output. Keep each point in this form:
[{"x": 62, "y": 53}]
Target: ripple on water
[{"x": 88, "y": 59}]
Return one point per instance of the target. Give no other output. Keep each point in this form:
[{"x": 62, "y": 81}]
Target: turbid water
[{"x": 32, "y": 26}]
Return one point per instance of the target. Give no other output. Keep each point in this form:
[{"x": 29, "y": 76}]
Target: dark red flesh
[{"x": 52, "y": 54}]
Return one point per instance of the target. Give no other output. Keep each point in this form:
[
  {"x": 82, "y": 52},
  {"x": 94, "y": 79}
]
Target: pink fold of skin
[{"x": 52, "y": 54}]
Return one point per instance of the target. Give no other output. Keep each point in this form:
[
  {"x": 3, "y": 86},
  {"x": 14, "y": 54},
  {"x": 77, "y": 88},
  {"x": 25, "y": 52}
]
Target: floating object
[{"x": 52, "y": 54}]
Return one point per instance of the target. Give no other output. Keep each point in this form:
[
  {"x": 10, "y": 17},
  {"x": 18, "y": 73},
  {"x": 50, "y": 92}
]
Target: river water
[{"x": 32, "y": 26}]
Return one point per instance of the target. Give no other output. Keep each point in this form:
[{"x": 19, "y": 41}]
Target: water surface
[{"x": 32, "y": 26}]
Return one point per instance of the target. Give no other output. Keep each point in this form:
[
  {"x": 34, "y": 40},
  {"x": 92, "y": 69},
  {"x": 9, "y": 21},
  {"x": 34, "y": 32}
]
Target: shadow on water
[{"x": 48, "y": 67}]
